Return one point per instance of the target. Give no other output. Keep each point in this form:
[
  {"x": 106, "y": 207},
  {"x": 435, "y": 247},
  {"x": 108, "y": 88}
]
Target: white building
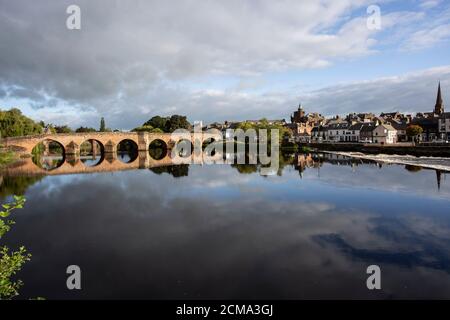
[
  {"x": 384, "y": 134},
  {"x": 337, "y": 132}
]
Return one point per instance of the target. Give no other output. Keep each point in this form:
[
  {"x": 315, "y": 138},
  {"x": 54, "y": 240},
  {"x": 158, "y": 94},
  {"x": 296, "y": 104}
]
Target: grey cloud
[
  {"x": 123, "y": 51},
  {"x": 415, "y": 92},
  {"x": 127, "y": 61}
]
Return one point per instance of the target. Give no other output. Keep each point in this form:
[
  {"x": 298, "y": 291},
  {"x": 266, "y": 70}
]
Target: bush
[{"x": 10, "y": 262}]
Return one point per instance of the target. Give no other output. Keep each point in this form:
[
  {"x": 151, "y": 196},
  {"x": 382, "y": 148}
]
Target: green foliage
[
  {"x": 63, "y": 129},
  {"x": 245, "y": 168},
  {"x": 56, "y": 128},
  {"x": 17, "y": 185},
  {"x": 157, "y": 122},
  {"x": 10, "y": 262},
  {"x": 284, "y": 132},
  {"x": 6, "y": 157},
  {"x": 157, "y": 130},
  {"x": 413, "y": 168},
  {"x": 177, "y": 122},
  {"x": 13, "y": 123},
  {"x": 305, "y": 149},
  {"x": 177, "y": 171},
  {"x": 414, "y": 130},
  {"x": 5, "y": 224},
  {"x": 165, "y": 124},
  {"x": 102, "y": 125},
  {"x": 147, "y": 128},
  {"x": 85, "y": 129}
]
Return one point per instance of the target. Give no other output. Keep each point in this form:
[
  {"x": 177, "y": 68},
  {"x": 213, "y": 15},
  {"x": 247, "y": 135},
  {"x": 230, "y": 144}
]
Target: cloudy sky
[{"x": 220, "y": 60}]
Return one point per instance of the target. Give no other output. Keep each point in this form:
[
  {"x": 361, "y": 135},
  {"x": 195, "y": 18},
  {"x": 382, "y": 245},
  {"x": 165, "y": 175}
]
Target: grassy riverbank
[{"x": 7, "y": 157}]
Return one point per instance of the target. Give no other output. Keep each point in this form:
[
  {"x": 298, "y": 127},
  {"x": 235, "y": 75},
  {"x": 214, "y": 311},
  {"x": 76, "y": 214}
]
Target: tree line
[
  {"x": 13, "y": 123},
  {"x": 158, "y": 124}
]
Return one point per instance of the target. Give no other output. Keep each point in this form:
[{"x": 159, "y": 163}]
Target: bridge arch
[
  {"x": 72, "y": 142},
  {"x": 92, "y": 152},
  {"x": 158, "y": 149},
  {"x": 127, "y": 150},
  {"x": 48, "y": 154},
  {"x": 184, "y": 148}
]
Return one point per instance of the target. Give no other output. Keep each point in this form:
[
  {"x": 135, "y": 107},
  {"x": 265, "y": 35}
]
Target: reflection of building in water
[
  {"x": 438, "y": 178},
  {"x": 303, "y": 161},
  {"x": 439, "y": 173},
  {"x": 316, "y": 160}
]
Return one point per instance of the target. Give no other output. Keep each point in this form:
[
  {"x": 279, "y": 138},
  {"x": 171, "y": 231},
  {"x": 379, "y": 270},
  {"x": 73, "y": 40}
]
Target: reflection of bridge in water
[
  {"x": 109, "y": 163},
  {"x": 109, "y": 143}
]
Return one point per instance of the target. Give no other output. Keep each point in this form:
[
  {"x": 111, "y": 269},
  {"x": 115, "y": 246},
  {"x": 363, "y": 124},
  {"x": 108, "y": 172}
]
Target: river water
[{"x": 225, "y": 231}]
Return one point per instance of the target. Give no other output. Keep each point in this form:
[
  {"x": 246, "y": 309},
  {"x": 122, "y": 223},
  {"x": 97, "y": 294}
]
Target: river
[{"x": 226, "y": 231}]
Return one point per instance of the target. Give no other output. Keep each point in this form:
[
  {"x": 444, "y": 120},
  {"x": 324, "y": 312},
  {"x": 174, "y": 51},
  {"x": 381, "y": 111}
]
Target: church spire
[{"x": 439, "y": 107}]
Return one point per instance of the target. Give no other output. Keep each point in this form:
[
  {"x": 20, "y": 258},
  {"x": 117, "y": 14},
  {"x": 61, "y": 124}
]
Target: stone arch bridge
[{"x": 108, "y": 141}]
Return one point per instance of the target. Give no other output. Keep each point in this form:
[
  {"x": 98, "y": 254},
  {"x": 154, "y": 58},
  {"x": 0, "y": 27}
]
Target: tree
[
  {"x": 157, "y": 122},
  {"x": 63, "y": 129},
  {"x": 102, "y": 125},
  {"x": 85, "y": 129},
  {"x": 177, "y": 122},
  {"x": 147, "y": 128},
  {"x": 176, "y": 171},
  {"x": 144, "y": 128},
  {"x": 413, "y": 131},
  {"x": 13, "y": 123},
  {"x": 284, "y": 132},
  {"x": 10, "y": 262}
]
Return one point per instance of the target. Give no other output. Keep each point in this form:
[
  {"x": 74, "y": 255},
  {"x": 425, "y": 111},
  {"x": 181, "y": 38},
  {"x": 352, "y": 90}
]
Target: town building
[
  {"x": 387, "y": 128},
  {"x": 444, "y": 126},
  {"x": 366, "y": 132},
  {"x": 401, "y": 130},
  {"x": 439, "y": 106},
  {"x": 430, "y": 122},
  {"x": 311, "y": 119},
  {"x": 384, "y": 134},
  {"x": 337, "y": 132},
  {"x": 354, "y": 131},
  {"x": 359, "y": 117},
  {"x": 302, "y": 124},
  {"x": 319, "y": 134}
]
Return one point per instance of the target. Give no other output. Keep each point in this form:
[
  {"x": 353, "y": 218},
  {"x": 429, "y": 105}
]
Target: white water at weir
[{"x": 425, "y": 162}]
